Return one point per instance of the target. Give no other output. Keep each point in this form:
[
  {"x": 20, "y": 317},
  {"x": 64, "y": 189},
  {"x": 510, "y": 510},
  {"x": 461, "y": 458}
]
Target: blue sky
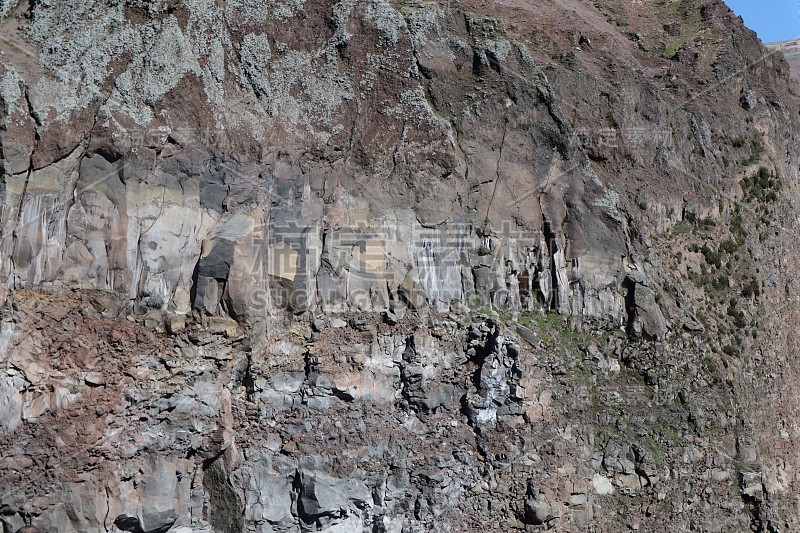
[{"x": 772, "y": 20}]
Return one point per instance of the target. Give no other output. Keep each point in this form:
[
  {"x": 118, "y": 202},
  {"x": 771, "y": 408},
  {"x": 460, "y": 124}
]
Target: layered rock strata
[{"x": 396, "y": 266}]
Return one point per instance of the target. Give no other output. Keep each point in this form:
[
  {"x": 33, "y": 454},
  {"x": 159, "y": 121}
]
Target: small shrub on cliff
[
  {"x": 737, "y": 228},
  {"x": 738, "y": 316},
  {"x": 752, "y": 288},
  {"x": 713, "y": 257},
  {"x": 756, "y": 151},
  {"x": 731, "y": 351},
  {"x": 762, "y": 186},
  {"x": 152, "y": 301},
  {"x": 155, "y": 301}
]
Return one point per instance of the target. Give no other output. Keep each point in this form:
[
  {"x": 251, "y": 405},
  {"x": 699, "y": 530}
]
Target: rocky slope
[
  {"x": 396, "y": 266},
  {"x": 791, "y": 51}
]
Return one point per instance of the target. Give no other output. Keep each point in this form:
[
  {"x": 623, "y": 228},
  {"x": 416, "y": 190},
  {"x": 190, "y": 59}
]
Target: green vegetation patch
[{"x": 763, "y": 186}]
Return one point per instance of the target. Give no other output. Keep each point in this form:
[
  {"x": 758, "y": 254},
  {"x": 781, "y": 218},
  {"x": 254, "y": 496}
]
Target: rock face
[
  {"x": 791, "y": 51},
  {"x": 396, "y": 266}
]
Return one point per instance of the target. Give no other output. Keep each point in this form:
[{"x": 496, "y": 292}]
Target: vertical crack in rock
[{"x": 497, "y": 169}]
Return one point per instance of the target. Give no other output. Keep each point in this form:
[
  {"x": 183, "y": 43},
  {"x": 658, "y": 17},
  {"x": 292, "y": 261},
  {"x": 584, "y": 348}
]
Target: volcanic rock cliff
[{"x": 372, "y": 265}]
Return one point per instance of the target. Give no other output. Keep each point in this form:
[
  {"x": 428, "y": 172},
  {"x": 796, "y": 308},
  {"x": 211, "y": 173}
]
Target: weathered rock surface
[
  {"x": 396, "y": 266},
  {"x": 791, "y": 51}
]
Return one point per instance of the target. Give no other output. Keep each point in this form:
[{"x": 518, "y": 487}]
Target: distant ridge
[{"x": 791, "y": 50}]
